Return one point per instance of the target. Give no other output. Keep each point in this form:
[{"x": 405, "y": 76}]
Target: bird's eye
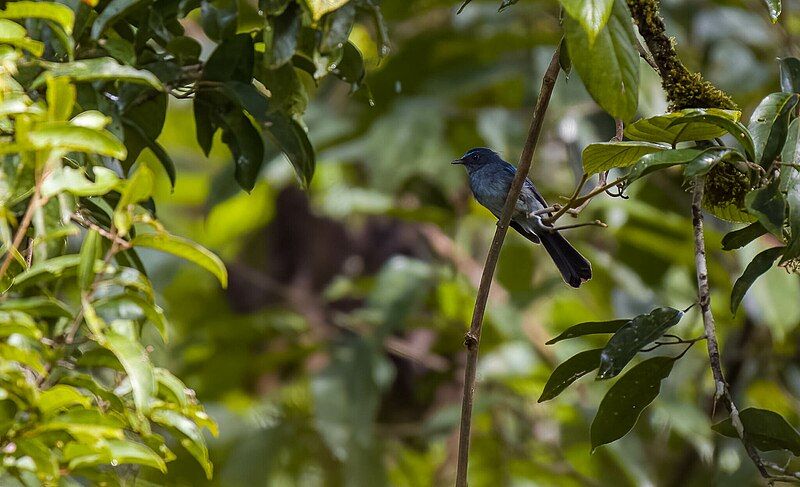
[{"x": 475, "y": 157}]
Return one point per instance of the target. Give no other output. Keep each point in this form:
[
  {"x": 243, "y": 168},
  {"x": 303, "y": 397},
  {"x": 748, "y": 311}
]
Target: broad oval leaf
[
  {"x": 608, "y": 64},
  {"x": 769, "y": 125},
  {"x": 60, "y": 397},
  {"x": 112, "y": 452},
  {"x": 589, "y": 328},
  {"x": 765, "y": 429},
  {"x": 661, "y": 160},
  {"x": 760, "y": 264},
  {"x": 739, "y": 238},
  {"x": 591, "y": 14},
  {"x": 603, "y": 156},
  {"x": 768, "y": 205},
  {"x": 628, "y": 397},
  {"x": 70, "y": 138},
  {"x": 185, "y": 249},
  {"x": 674, "y": 127},
  {"x": 636, "y": 334},
  {"x": 136, "y": 363},
  {"x": 102, "y": 68},
  {"x": 568, "y": 372}
]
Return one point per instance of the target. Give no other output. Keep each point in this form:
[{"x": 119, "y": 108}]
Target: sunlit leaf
[
  {"x": 760, "y": 264},
  {"x": 591, "y": 14},
  {"x": 112, "y": 452},
  {"x": 673, "y": 127},
  {"x": 94, "y": 69},
  {"x": 185, "y": 249},
  {"x": 704, "y": 162},
  {"x": 568, "y": 372},
  {"x": 137, "y": 365},
  {"x": 602, "y": 156},
  {"x": 319, "y": 8},
  {"x": 14, "y": 34},
  {"x": 635, "y": 335},
  {"x": 74, "y": 181},
  {"x": 56, "y": 12},
  {"x": 90, "y": 252},
  {"x": 589, "y": 328},
  {"x": 190, "y": 435},
  {"x": 628, "y": 397},
  {"x": 766, "y": 430},
  {"x": 608, "y": 64},
  {"x": 60, "y": 397},
  {"x": 66, "y": 137},
  {"x": 727, "y": 120},
  {"x": 138, "y": 188},
  {"x": 774, "y": 9},
  {"x": 20, "y": 323}
]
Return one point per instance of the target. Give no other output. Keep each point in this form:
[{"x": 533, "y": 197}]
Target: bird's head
[{"x": 475, "y": 158}]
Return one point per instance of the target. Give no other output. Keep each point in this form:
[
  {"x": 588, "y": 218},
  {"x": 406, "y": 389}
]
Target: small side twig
[
  {"x": 704, "y": 295},
  {"x": 596, "y": 223},
  {"x": 472, "y": 339}
]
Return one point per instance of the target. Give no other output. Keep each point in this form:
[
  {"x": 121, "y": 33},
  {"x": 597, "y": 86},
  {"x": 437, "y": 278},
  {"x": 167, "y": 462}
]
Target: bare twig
[
  {"x": 473, "y": 337},
  {"x": 576, "y": 203},
  {"x": 596, "y": 223},
  {"x": 704, "y": 295},
  {"x": 36, "y": 201}
]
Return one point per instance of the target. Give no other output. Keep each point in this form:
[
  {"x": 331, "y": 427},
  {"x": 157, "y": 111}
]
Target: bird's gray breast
[{"x": 490, "y": 188}]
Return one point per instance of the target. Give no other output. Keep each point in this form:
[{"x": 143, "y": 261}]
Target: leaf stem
[
  {"x": 704, "y": 296},
  {"x": 472, "y": 338}
]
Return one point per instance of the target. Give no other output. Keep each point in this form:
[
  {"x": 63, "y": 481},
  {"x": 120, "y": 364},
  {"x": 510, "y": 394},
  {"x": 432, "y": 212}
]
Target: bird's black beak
[{"x": 458, "y": 161}]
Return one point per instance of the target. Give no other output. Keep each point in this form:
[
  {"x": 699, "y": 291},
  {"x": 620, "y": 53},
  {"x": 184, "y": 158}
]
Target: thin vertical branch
[
  {"x": 35, "y": 202},
  {"x": 473, "y": 337},
  {"x": 721, "y": 387}
]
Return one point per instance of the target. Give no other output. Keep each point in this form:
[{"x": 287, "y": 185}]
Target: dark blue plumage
[{"x": 490, "y": 178}]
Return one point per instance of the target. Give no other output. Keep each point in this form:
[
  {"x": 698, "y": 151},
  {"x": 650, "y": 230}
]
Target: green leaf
[
  {"x": 60, "y": 397},
  {"x": 98, "y": 69},
  {"x": 628, "y": 397},
  {"x": 60, "y": 99},
  {"x": 661, "y": 160},
  {"x": 766, "y": 430},
  {"x": 318, "y": 8},
  {"x": 153, "y": 312},
  {"x": 23, "y": 356},
  {"x": 56, "y": 12},
  {"x": 769, "y": 125},
  {"x": 49, "y": 269},
  {"x": 14, "y": 34},
  {"x": 760, "y": 264},
  {"x": 774, "y": 9},
  {"x": 293, "y": 141},
  {"x": 728, "y": 120},
  {"x": 350, "y": 68},
  {"x": 111, "y": 452},
  {"x": 74, "y": 181},
  {"x": 609, "y": 63},
  {"x": 589, "y": 328},
  {"x": 85, "y": 424},
  {"x": 568, "y": 372},
  {"x": 64, "y": 136},
  {"x": 592, "y": 14},
  {"x": 20, "y": 323},
  {"x": 739, "y": 238},
  {"x": 37, "y": 306},
  {"x": 90, "y": 252},
  {"x": 602, "y": 156},
  {"x": 138, "y": 188},
  {"x": 705, "y": 161},
  {"x": 191, "y": 437},
  {"x": 768, "y": 205},
  {"x": 790, "y": 75},
  {"x": 336, "y": 28},
  {"x": 136, "y": 363},
  {"x": 285, "y": 29},
  {"x": 790, "y": 182},
  {"x": 219, "y": 18},
  {"x": 172, "y": 388},
  {"x": 674, "y": 127},
  {"x": 636, "y": 334},
  {"x": 185, "y": 249},
  {"x": 156, "y": 148},
  {"x": 114, "y": 10}
]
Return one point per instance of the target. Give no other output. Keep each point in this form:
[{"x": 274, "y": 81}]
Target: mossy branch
[{"x": 684, "y": 89}]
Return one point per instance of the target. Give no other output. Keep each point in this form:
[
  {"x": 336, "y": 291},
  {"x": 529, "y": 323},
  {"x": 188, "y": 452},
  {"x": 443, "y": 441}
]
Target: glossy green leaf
[
  {"x": 790, "y": 182},
  {"x": 74, "y": 181},
  {"x": 602, "y": 156},
  {"x": 114, "y": 10},
  {"x": 318, "y": 8},
  {"x": 336, "y": 28},
  {"x": 98, "y": 69},
  {"x": 153, "y": 312},
  {"x": 350, "y": 68},
  {"x": 185, "y": 249},
  {"x": 60, "y": 99},
  {"x": 769, "y": 206},
  {"x": 85, "y": 424},
  {"x": 739, "y": 238},
  {"x": 64, "y": 136},
  {"x": 190, "y": 435},
  {"x": 138, "y": 188},
  {"x": 112, "y": 452},
  {"x": 56, "y": 12},
  {"x": 591, "y": 14},
  {"x": 219, "y": 18},
  {"x": 172, "y": 388},
  {"x": 628, "y": 397},
  {"x": 90, "y": 252},
  {"x": 568, "y": 372},
  {"x": 632, "y": 337},
  {"x": 60, "y": 397},
  {"x": 157, "y": 150},
  {"x": 14, "y": 34},
  {"x": 705, "y": 161},
  {"x": 49, "y": 269},
  {"x": 293, "y": 141},
  {"x": 760, "y": 264},
  {"x": 23, "y": 356},
  {"x": 766, "y": 430},
  {"x": 769, "y": 125},
  {"x": 285, "y": 30},
  {"x": 661, "y": 160},
  {"x": 790, "y": 74},
  {"x": 136, "y": 363},
  {"x": 588, "y": 328},
  {"x": 696, "y": 120},
  {"x": 608, "y": 64},
  {"x": 674, "y": 127},
  {"x": 12, "y": 322}
]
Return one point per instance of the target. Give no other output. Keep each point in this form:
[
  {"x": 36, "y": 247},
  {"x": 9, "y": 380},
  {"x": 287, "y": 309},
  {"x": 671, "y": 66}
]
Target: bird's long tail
[{"x": 574, "y": 267}]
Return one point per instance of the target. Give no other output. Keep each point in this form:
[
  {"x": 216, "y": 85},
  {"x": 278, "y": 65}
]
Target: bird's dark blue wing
[{"x": 528, "y": 185}]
